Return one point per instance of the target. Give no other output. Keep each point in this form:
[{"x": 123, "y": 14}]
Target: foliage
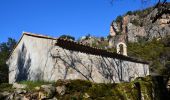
[
  {"x": 102, "y": 38},
  {"x": 119, "y": 19},
  {"x": 85, "y": 90},
  {"x": 88, "y": 36},
  {"x": 129, "y": 13},
  {"x": 78, "y": 85},
  {"x": 140, "y": 13},
  {"x": 8, "y": 46},
  {"x": 143, "y": 13},
  {"x": 100, "y": 44},
  {"x": 112, "y": 49},
  {"x": 74, "y": 88},
  {"x": 135, "y": 22},
  {"x": 109, "y": 37},
  {"x": 32, "y": 84},
  {"x": 67, "y": 37},
  {"x": 157, "y": 52},
  {"x": 5, "y": 49},
  {"x": 78, "y": 88},
  {"x": 119, "y": 33},
  {"x": 5, "y": 87}
]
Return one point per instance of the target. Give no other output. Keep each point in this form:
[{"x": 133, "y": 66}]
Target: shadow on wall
[
  {"x": 71, "y": 61},
  {"x": 107, "y": 68},
  {"x": 23, "y": 64},
  {"x": 111, "y": 69}
]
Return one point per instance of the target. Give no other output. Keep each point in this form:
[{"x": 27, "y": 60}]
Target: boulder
[
  {"x": 20, "y": 91},
  {"x": 42, "y": 96},
  {"x": 86, "y": 95},
  {"x": 4, "y": 95},
  {"x": 61, "y": 90},
  {"x": 19, "y": 86},
  {"x": 47, "y": 90},
  {"x": 10, "y": 96},
  {"x": 20, "y": 97}
]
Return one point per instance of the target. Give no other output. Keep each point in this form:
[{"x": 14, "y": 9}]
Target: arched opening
[{"x": 121, "y": 48}]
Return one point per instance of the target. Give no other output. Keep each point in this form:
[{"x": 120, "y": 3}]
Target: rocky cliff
[{"x": 137, "y": 26}]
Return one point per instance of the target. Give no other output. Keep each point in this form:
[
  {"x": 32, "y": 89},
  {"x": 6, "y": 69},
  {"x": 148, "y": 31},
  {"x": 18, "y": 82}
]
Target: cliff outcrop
[{"x": 138, "y": 26}]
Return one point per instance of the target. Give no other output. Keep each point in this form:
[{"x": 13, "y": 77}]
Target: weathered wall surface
[{"x": 39, "y": 59}]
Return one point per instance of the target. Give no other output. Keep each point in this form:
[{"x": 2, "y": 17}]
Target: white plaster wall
[{"x": 45, "y": 61}]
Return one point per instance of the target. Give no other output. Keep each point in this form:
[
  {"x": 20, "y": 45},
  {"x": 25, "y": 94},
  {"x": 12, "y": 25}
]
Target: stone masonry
[{"x": 38, "y": 57}]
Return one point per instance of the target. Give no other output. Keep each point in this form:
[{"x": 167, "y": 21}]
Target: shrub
[
  {"x": 5, "y": 87},
  {"x": 119, "y": 33},
  {"x": 67, "y": 37},
  {"x": 32, "y": 84},
  {"x": 78, "y": 85},
  {"x": 135, "y": 22},
  {"x": 100, "y": 90},
  {"x": 156, "y": 52},
  {"x": 129, "y": 13},
  {"x": 119, "y": 19}
]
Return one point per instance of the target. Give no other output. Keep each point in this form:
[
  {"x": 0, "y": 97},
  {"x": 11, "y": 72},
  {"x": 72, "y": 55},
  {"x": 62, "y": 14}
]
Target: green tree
[
  {"x": 129, "y": 13},
  {"x": 5, "y": 49},
  {"x": 67, "y": 37},
  {"x": 119, "y": 19},
  {"x": 88, "y": 36}
]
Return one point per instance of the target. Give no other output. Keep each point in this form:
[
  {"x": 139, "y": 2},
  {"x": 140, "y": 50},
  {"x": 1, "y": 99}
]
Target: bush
[
  {"x": 32, "y": 84},
  {"x": 135, "y": 22},
  {"x": 78, "y": 85},
  {"x": 119, "y": 19},
  {"x": 118, "y": 33},
  {"x": 67, "y": 37},
  {"x": 156, "y": 52},
  {"x": 129, "y": 13},
  {"x": 102, "y": 38},
  {"x": 5, "y": 87},
  {"x": 75, "y": 85},
  {"x": 100, "y": 90}
]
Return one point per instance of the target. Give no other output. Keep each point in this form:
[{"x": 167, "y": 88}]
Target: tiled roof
[
  {"x": 37, "y": 35},
  {"x": 75, "y": 46}
]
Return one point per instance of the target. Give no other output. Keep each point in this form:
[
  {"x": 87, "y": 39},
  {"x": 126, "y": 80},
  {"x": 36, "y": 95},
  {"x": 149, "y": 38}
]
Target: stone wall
[{"x": 39, "y": 58}]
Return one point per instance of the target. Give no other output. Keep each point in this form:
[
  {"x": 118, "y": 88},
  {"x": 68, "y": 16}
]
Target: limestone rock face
[
  {"x": 134, "y": 32},
  {"x": 139, "y": 26},
  {"x": 157, "y": 31},
  {"x": 113, "y": 29}
]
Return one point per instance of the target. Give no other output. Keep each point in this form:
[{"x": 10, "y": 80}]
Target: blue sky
[{"x": 56, "y": 17}]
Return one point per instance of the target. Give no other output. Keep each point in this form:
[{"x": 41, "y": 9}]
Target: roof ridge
[{"x": 38, "y": 35}]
